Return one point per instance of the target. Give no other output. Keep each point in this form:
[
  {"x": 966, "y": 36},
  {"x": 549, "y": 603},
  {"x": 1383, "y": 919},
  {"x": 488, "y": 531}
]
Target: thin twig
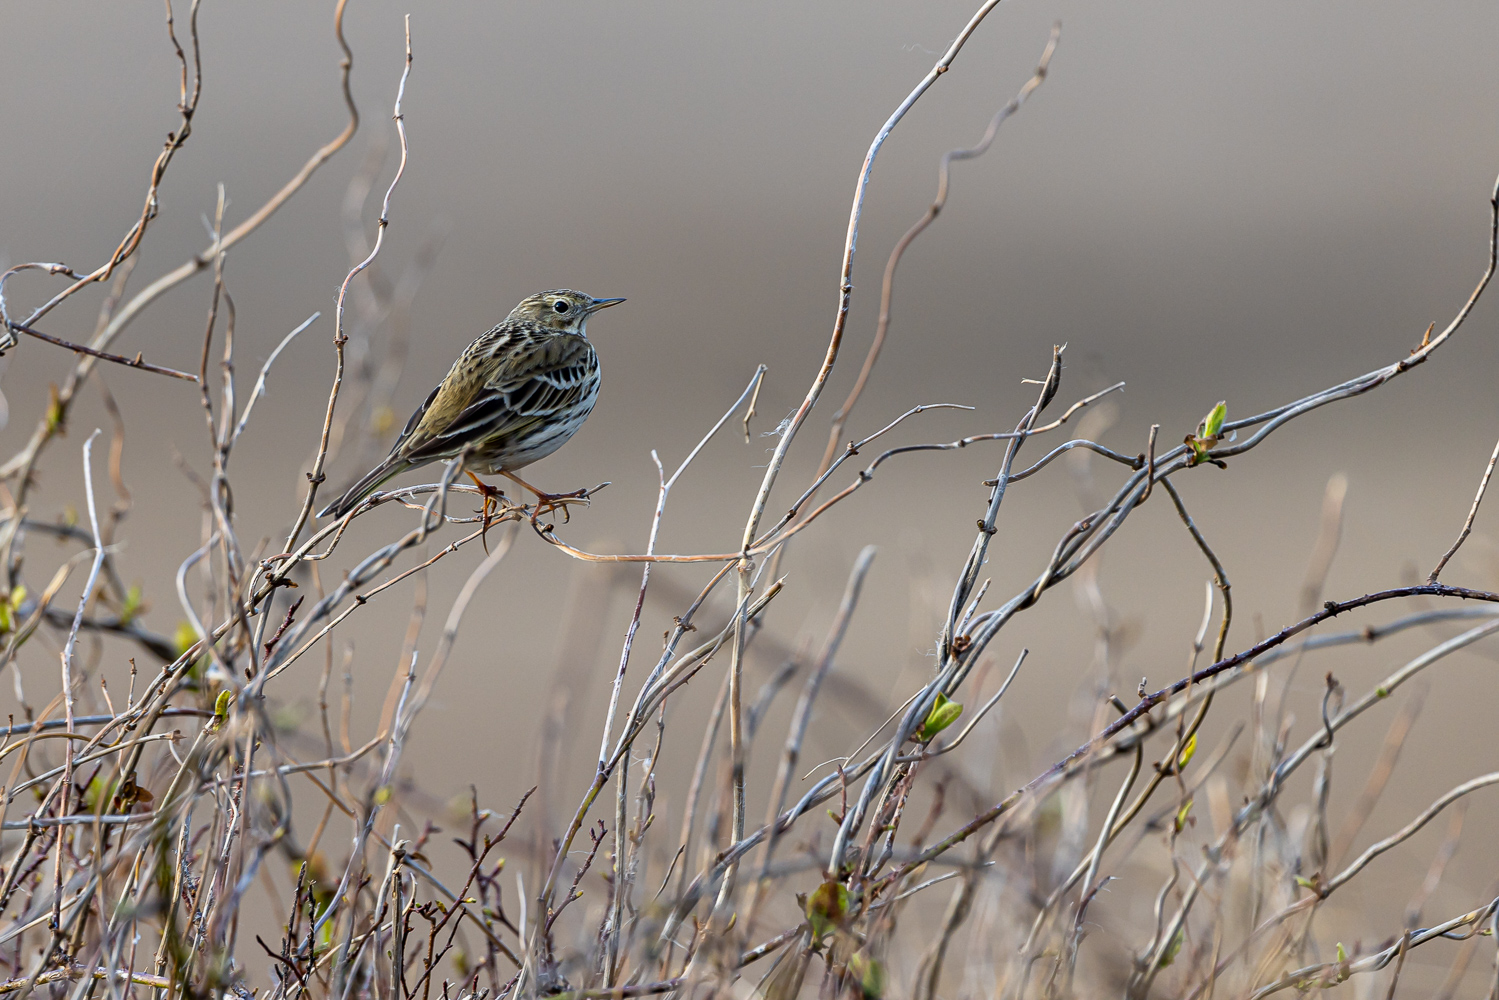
[
  {"x": 1462, "y": 536},
  {"x": 944, "y": 176},
  {"x": 135, "y": 362}
]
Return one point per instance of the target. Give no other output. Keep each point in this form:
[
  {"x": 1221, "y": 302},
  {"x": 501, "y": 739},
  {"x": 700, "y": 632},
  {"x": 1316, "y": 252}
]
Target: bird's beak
[{"x": 598, "y": 304}]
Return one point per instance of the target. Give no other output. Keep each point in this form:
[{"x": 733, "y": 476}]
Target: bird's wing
[
  {"x": 531, "y": 380},
  {"x": 416, "y": 418}
]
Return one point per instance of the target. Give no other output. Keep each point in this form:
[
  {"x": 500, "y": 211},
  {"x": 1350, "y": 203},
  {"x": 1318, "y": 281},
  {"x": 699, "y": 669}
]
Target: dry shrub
[{"x": 130, "y": 846}]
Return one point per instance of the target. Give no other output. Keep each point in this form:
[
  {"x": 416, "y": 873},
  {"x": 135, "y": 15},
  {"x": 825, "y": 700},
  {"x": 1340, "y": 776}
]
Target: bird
[{"x": 514, "y": 396}]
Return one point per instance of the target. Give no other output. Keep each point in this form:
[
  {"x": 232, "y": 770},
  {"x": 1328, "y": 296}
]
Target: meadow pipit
[{"x": 514, "y": 396}]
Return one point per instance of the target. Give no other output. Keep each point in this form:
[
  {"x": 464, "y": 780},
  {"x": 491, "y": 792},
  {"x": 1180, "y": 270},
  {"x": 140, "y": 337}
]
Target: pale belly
[{"x": 539, "y": 444}]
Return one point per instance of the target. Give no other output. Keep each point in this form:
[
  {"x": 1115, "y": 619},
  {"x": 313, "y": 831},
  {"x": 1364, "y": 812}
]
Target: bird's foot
[
  {"x": 546, "y": 503},
  {"x": 495, "y": 503}
]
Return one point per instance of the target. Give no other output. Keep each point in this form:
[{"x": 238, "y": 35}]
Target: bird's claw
[
  {"x": 546, "y": 503},
  {"x": 495, "y": 502}
]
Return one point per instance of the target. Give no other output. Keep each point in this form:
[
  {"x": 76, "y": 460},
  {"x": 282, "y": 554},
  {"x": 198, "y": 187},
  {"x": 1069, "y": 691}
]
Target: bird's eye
[{"x": 561, "y": 305}]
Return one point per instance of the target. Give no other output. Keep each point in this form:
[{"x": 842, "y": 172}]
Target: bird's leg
[
  {"x": 492, "y": 498},
  {"x": 551, "y": 501}
]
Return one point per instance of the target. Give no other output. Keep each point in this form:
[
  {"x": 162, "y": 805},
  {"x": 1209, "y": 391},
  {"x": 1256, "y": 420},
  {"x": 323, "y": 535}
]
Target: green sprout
[
  {"x": 1209, "y": 433},
  {"x": 827, "y": 908},
  {"x": 943, "y": 714}
]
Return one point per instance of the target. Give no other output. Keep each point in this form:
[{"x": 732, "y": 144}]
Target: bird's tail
[{"x": 371, "y": 481}]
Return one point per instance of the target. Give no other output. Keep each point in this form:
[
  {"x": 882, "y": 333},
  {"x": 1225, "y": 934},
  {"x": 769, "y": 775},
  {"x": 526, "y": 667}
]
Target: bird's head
[{"x": 561, "y": 309}]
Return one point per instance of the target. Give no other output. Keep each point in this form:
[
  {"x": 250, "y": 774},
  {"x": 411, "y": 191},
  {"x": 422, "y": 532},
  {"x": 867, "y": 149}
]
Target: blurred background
[{"x": 1206, "y": 201}]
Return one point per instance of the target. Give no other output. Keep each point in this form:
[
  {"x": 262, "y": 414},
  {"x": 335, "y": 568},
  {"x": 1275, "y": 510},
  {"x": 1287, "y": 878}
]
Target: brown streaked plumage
[{"x": 514, "y": 396}]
